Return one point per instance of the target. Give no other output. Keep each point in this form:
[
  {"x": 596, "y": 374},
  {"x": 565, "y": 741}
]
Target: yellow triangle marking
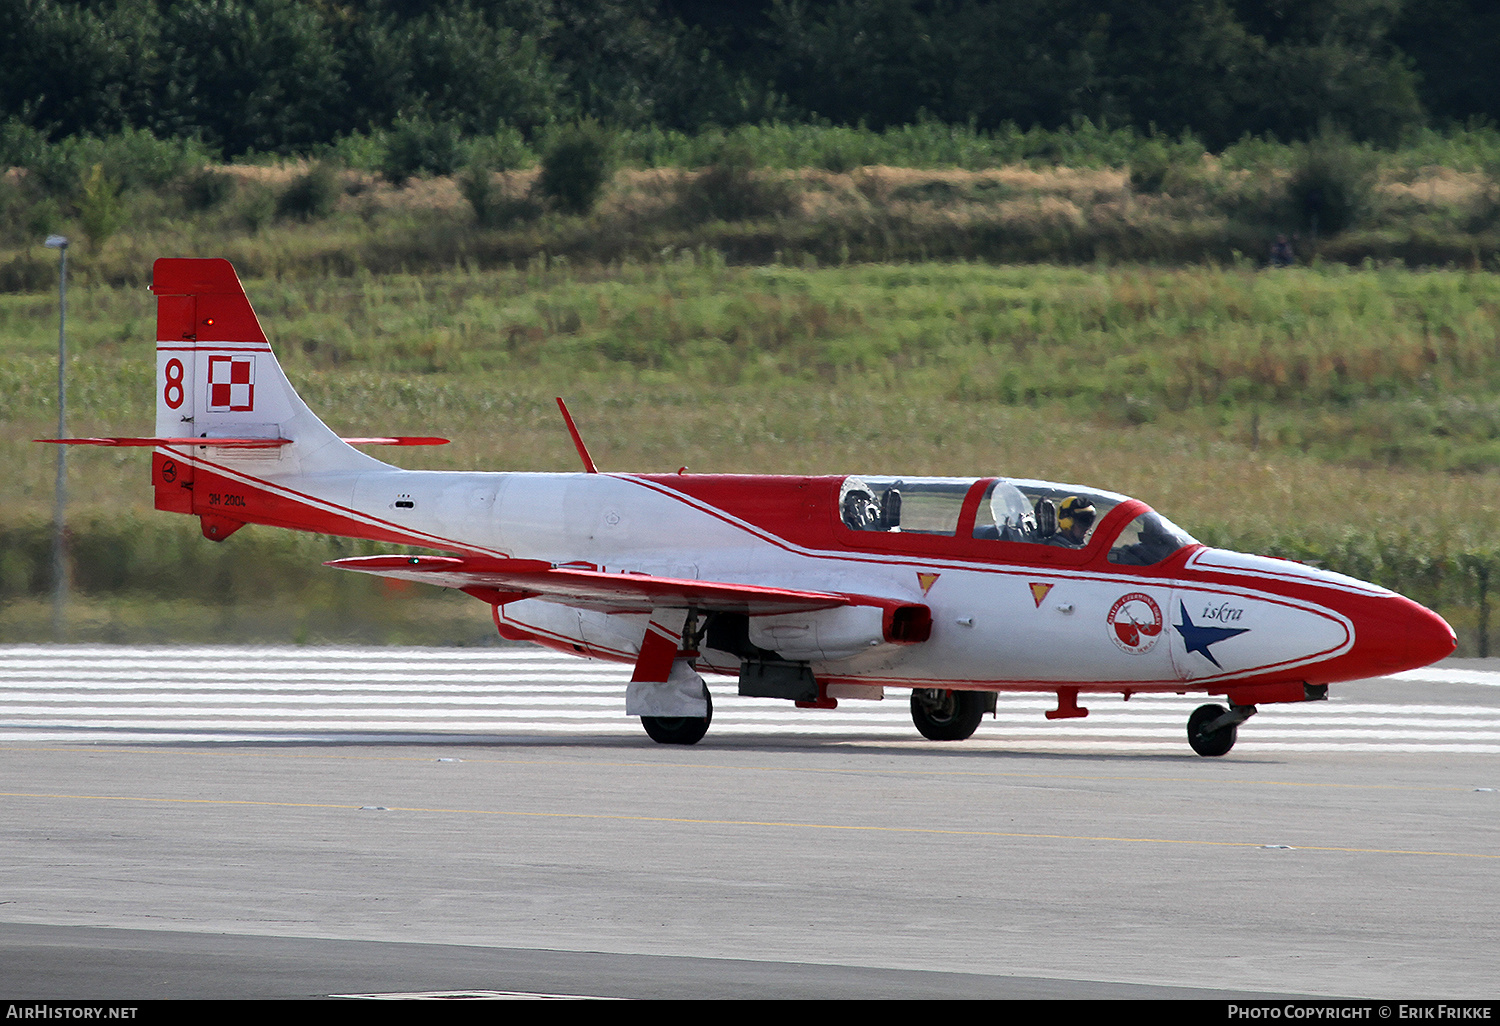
[
  {"x": 927, "y": 580},
  {"x": 1039, "y": 592}
]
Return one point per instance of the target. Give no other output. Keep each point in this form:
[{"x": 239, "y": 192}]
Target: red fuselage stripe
[{"x": 316, "y": 505}]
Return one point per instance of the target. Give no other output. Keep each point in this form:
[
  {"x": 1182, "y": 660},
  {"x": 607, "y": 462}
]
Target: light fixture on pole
[{"x": 59, "y": 519}]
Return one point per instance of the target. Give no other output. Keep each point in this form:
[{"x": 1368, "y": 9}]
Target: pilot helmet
[{"x": 1074, "y": 510}]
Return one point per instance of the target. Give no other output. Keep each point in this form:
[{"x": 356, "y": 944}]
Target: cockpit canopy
[{"x": 1010, "y": 510}]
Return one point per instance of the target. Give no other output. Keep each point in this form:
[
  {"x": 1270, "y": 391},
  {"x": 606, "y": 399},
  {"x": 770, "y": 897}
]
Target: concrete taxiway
[
  {"x": 1356, "y": 876},
  {"x": 747, "y": 866}
]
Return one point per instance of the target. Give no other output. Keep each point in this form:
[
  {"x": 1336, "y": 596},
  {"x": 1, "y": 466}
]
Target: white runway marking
[
  {"x": 473, "y": 995},
  {"x": 1439, "y": 675},
  {"x": 203, "y": 694}
]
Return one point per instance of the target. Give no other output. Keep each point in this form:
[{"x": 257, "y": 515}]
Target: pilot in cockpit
[
  {"x": 1074, "y": 518},
  {"x": 861, "y": 513}
]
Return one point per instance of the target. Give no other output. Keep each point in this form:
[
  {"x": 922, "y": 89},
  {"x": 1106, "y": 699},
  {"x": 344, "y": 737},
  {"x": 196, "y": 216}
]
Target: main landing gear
[
  {"x": 1212, "y": 729},
  {"x": 942, "y": 715},
  {"x": 666, "y": 691},
  {"x": 679, "y": 730}
]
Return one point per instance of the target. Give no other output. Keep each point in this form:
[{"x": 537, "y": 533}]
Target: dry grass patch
[{"x": 1438, "y": 187}]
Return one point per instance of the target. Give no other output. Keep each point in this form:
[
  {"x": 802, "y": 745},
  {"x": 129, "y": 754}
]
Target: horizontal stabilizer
[
  {"x": 593, "y": 589},
  {"x": 241, "y": 443},
  {"x": 226, "y": 443}
]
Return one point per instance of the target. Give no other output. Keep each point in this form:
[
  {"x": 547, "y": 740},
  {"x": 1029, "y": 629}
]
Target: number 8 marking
[{"x": 174, "y": 383}]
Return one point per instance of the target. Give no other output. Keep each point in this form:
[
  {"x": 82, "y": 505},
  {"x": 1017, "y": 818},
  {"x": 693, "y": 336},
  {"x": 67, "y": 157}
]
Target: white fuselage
[{"x": 990, "y": 626}]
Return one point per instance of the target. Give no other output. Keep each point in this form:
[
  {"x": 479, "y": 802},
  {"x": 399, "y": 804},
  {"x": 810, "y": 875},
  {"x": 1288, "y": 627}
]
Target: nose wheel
[
  {"x": 1212, "y": 729},
  {"x": 942, "y": 715}
]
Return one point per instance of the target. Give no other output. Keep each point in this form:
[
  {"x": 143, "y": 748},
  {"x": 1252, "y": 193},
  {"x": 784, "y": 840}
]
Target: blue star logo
[{"x": 1197, "y": 639}]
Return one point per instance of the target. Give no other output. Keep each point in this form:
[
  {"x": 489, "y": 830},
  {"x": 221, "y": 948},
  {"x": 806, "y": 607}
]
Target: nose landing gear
[{"x": 1212, "y": 729}]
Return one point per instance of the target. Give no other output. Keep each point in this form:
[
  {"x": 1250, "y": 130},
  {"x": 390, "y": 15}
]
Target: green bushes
[
  {"x": 1331, "y": 185},
  {"x": 925, "y": 144},
  {"x": 100, "y": 212},
  {"x": 737, "y": 195},
  {"x": 134, "y": 159},
  {"x": 417, "y": 146},
  {"x": 733, "y": 188},
  {"x": 492, "y": 205},
  {"x": 311, "y": 196},
  {"x": 578, "y": 163},
  {"x": 94, "y": 180},
  {"x": 1158, "y": 165},
  {"x": 484, "y": 198},
  {"x": 256, "y": 207},
  {"x": 207, "y": 189}
]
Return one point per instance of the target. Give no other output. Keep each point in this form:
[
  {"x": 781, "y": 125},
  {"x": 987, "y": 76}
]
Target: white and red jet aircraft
[{"x": 811, "y": 589}]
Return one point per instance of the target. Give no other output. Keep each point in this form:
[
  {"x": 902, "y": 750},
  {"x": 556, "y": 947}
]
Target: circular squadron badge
[{"x": 1135, "y": 622}]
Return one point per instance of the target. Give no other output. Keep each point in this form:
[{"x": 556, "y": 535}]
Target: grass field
[{"x": 1347, "y": 416}]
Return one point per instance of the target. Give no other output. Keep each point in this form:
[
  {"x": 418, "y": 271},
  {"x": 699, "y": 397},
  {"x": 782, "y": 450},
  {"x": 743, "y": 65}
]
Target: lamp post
[{"x": 59, "y": 521}]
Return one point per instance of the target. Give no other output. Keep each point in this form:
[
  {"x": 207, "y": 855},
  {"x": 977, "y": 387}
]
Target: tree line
[{"x": 285, "y": 76}]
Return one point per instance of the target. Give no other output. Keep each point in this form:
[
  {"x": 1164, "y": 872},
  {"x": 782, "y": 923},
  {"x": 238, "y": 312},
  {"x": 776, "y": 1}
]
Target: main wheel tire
[
  {"x": 679, "y": 730},
  {"x": 1213, "y": 743},
  {"x": 942, "y": 715}
]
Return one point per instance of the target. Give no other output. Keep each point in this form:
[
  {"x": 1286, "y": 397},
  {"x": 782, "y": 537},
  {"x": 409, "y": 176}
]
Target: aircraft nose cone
[{"x": 1403, "y": 636}]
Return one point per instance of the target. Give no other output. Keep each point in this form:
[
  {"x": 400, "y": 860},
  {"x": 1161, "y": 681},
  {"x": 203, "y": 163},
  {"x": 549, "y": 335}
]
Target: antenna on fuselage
[{"x": 583, "y": 452}]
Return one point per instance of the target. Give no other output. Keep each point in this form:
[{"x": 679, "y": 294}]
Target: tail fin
[{"x": 216, "y": 376}]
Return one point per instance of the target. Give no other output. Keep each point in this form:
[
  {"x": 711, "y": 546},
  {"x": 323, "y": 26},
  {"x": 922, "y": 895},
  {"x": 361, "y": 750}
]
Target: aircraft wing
[{"x": 509, "y": 580}]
